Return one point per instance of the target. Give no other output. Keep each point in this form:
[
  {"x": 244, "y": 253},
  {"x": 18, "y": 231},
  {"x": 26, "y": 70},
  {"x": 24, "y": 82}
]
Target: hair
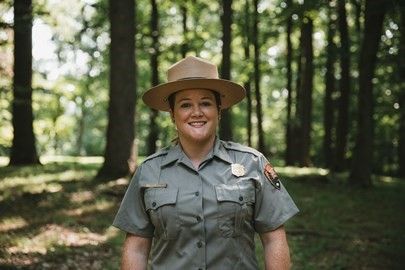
[{"x": 172, "y": 97}]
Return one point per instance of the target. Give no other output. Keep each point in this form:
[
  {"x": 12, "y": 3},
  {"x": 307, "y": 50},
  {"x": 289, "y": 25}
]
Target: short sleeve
[
  {"x": 274, "y": 206},
  {"x": 132, "y": 216}
]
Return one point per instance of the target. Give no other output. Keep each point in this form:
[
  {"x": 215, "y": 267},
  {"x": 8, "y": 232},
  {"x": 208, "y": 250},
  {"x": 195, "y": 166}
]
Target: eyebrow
[{"x": 203, "y": 98}]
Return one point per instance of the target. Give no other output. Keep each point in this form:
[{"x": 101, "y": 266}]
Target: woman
[{"x": 201, "y": 200}]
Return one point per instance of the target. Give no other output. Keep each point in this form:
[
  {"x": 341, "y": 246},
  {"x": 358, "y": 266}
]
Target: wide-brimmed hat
[{"x": 193, "y": 73}]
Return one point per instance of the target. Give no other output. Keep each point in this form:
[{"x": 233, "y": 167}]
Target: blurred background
[{"x": 325, "y": 103}]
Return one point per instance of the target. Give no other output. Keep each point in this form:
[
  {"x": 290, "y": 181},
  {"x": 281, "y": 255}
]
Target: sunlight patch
[
  {"x": 55, "y": 235},
  {"x": 12, "y": 223},
  {"x": 81, "y": 196}
]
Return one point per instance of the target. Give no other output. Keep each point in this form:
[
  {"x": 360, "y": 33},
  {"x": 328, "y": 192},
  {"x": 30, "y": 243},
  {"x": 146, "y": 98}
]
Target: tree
[
  {"x": 155, "y": 75},
  {"x": 184, "y": 12},
  {"x": 289, "y": 155},
  {"x": 329, "y": 90},
  {"x": 226, "y": 19},
  {"x": 23, "y": 150},
  {"x": 261, "y": 144},
  {"x": 342, "y": 125},
  {"x": 247, "y": 83},
  {"x": 361, "y": 170},
  {"x": 306, "y": 88},
  {"x": 119, "y": 157},
  {"x": 401, "y": 71}
]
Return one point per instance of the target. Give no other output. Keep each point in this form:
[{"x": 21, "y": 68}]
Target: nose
[{"x": 197, "y": 112}]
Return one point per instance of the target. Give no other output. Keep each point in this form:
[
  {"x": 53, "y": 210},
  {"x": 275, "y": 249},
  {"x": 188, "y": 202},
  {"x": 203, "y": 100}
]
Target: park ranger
[{"x": 198, "y": 203}]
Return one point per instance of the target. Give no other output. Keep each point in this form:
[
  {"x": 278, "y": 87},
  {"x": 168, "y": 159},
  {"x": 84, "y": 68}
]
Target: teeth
[{"x": 197, "y": 123}]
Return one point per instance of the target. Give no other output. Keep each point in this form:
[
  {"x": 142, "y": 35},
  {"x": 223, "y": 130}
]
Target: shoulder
[
  {"x": 159, "y": 154},
  {"x": 237, "y": 147}
]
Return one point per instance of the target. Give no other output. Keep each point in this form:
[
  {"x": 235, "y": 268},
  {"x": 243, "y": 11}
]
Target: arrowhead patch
[{"x": 271, "y": 175}]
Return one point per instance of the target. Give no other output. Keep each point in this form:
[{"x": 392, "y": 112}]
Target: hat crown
[{"x": 192, "y": 67}]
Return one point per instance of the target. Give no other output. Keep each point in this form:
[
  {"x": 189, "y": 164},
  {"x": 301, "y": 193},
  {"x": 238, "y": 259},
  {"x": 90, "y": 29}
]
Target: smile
[{"x": 197, "y": 124}]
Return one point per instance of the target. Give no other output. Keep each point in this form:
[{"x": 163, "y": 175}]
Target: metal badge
[{"x": 238, "y": 170}]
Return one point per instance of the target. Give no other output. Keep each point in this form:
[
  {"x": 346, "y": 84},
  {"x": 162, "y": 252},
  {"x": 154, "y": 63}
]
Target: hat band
[{"x": 192, "y": 78}]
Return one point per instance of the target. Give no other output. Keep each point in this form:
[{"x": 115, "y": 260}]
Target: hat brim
[{"x": 157, "y": 97}]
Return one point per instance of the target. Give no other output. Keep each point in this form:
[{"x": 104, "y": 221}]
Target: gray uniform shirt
[{"x": 204, "y": 218}]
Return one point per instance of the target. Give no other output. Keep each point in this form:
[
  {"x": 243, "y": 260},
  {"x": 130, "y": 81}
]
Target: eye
[
  {"x": 206, "y": 104},
  {"x": 185, "y": 105}
]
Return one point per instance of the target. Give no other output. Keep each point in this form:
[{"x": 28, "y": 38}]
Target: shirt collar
[{"x": 176, "y": 153}]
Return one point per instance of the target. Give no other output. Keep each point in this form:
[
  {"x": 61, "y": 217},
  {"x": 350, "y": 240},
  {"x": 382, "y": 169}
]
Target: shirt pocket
[
  {"x": 160, "y": 203},
  {"x": 235, "y": 207}
]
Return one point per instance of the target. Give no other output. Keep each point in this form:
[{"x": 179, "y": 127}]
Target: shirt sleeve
[
  {"x": 132, "y": 216},
  {"x": 273, "y": 206}
]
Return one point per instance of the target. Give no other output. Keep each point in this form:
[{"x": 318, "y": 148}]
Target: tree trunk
[
  {"x": 289, "y": 153},
  {"x": 329, "y": 90},
  {"x": 295, "y": 124},
  {"x": 226, "y": 115},
  {"x": 307, "y": 85},
  {"x": 247, "y": 84},
  {"x": 120, "y": 157},
  {"x": 261, "y": 144},
  {"x": 342, "y": 126},
  {"x": 184, "y": 46},
  {"x": 401, "y": 70},
  {"x": 153, "y": 135},
  {"x": 23, "y": 150},
  {"x": 363, "y": 153}
]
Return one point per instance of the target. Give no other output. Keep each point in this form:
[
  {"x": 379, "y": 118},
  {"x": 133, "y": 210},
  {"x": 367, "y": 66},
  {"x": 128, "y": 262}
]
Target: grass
[{"x": 57, "y": 217}]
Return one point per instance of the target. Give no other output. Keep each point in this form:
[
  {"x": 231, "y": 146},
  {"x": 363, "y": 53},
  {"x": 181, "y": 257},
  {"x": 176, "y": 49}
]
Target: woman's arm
[
  {"x": 276, "y": 251},
  {"x": 135, "y": 252}
]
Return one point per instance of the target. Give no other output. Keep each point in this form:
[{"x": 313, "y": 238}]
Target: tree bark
[
  {"x": 289, "y": 153},
  {"x": 329, "y": 90},
  {"x": 23, "y": 150},
  {"x": 261, "y": 144},
  {"x": 226, "y": 115},
  {"x": 153, "y": 135},
  {"x": 120, "y": 157},
  {"x": 361, "y": 170},
  {"x": 307, "y": 85},
  {"x": 247, "y": 83},
  {"x": 342, "y": 127},
  {"x": 401, "y": 70},
  {"x": 184, "y": 12}
]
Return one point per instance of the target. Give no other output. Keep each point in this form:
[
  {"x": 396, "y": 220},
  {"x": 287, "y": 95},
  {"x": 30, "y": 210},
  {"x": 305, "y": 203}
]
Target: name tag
[{"x": 156, "y": 186}]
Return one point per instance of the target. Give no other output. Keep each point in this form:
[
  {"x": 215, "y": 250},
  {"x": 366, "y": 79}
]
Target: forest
[
  {"x": 325, "y": 84},
  {"x": 324, "y": 79}
]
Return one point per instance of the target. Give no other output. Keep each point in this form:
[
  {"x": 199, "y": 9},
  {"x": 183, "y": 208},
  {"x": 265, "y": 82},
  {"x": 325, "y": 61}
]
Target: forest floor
[{"x": 58, "y": 217}]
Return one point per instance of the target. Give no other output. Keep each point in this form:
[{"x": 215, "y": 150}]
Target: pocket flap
[
  {"x": 235, "y": 193},
  {"x": 155, "y": 197}
]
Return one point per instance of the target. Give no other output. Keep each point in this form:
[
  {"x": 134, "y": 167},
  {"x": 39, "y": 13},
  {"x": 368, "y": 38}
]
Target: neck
[{"x": 197, "y": 151}]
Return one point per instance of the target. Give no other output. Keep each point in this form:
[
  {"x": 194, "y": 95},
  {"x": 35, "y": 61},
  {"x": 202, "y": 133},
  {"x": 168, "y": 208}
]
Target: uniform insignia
[
  {"x": 238, "y": 170},
  {"x": 271, "y": 175}
]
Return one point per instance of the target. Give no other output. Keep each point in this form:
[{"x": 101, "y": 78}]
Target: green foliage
[{"x": 70, "y": 84}]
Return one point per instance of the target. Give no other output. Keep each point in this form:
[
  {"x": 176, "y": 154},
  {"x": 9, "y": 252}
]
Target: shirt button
[
  {"x": 197, "y": 194},
  {"x": 241, "y": 198},
  {"x": 153, "y": 204},
  {"x": 199, "y": 244},
  {"x": 198, "y": 219}
]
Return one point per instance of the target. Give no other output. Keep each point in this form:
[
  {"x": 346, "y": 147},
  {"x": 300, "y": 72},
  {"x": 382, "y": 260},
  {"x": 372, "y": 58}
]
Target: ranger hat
[{"x": 193, "y": 73}]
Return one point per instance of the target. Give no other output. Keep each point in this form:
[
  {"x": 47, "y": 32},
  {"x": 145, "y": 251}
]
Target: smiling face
[{"x": 195, "y": 113}]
